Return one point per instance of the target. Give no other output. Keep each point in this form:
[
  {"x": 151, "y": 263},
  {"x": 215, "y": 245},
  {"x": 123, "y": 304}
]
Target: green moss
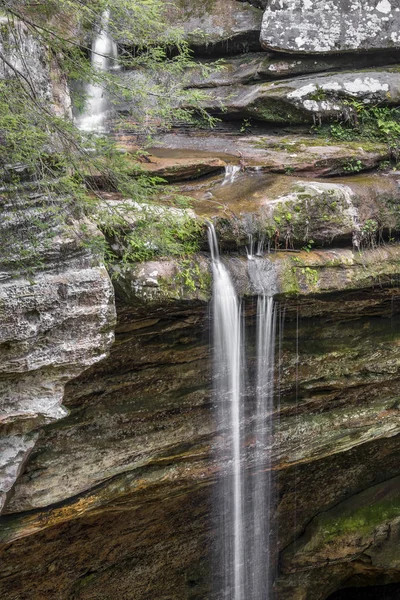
[
  {"x": 192, "y": 277},
  {"x": 289, "y": 282},
  {"x": 311, "y": 276},
  {"x": 276, "y": 111},
  {"x": 362, "y": 520}
]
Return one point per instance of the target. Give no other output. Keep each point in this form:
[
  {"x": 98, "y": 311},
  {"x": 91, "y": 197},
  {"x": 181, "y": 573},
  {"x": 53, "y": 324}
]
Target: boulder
[
  {"x": 220, "y": 27},
  {"x": 331, "y": 26}
]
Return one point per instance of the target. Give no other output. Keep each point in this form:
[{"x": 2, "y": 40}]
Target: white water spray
[
  {"x": 260, "y": 245},
  {"x": 250, "y": 248},
  {"x": 104, "y": 58}
]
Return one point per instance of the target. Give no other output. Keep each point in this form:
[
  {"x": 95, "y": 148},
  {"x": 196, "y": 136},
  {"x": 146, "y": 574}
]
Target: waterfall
[
  {"x": 230, "y": 174},
  {"x": 250, "y": 248},
  {"x": 103, "y": 58},
  {"x": 243, "y": 498},
  {"x": 259, "y": 546},
  {"x": 260, "y": 245},
  {"x": 228, "y": 384}
]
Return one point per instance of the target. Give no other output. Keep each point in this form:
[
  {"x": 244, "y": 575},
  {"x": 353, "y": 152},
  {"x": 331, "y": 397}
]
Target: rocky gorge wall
[{"x": 115, "y": 500}]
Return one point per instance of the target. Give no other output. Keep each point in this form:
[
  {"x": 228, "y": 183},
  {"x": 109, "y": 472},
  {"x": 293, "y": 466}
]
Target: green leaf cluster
[{"x": 360, "y": 121}]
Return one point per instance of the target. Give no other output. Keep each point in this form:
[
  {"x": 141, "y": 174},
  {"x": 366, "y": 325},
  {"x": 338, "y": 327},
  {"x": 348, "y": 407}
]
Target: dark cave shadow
[{"x": 379, "y": 592}]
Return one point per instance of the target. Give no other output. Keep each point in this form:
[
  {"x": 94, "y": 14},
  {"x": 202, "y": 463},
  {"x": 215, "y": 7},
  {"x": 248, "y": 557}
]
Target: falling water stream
[
  {"x": 231, "y": 172},
  {"x": 244, "y": 494},
  {"x": 261, "y": 493},
  {"x": 104, "y": 58},
  {"x": 228, "y": 360}
]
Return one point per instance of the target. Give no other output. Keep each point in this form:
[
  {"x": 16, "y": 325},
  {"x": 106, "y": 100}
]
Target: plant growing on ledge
[
  {"x": 361, "y": 121},
  {"x": 353, "y": 166}
]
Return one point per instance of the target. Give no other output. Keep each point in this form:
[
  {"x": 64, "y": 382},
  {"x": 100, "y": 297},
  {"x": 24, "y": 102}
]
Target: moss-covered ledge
[
  {"x": 164, "y": 281},
  {"x": 291, "y": 212},
  {"x": 160, "y": 283}
]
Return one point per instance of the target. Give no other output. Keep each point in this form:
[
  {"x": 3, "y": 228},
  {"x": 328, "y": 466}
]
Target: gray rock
[
  {"x": 14, "y": 451},
  {"x": 303, "y": 99},
  {"x": 24, "y": 53},
  {"x": 262, "y": 66},
  {"x": 55, "y": 323},
  {"x": 330, "y": 26},
  {"x": 218, "y": 26}
]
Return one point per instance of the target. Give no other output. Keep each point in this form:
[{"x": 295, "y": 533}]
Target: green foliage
[
  {"x": 289, "y": 170},
  {"x": 368, "y": 233},
  {"x": 192, "y": 277},
  {"x": 311, "y": 276},
  {"x": 365, "y": 122},
  {"x": 139, "y": 232},
  {"x": 245, "y": 126},
  {"x": 353, "y": 166},
  {"x": 319, "y": 94},
  {"x": 384, "y": 165},
  {"x": 308, "y": 246},
  {"x": 43, "y": 154}
]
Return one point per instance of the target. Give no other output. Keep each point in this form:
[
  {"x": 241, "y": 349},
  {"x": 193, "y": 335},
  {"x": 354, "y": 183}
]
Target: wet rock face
[
  {"x": 378, "y": 592},
  {"x": 330, "y": 26},
  {"x": 152, "y": 405}
]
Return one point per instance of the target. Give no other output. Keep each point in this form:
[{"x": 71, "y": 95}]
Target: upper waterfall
[{"x": 103, "y": 58}]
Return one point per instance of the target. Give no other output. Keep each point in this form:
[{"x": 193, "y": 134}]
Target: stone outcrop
[
  {"x": 359, "y": 210},
  {"x": 146, "y": 469},
  {"x": 348, "y": 540},
  {"x": 57, "y": 320},
  {"x": 254, "y": 67},
  {"x": 305, "y": 99},
  {"x": 330, "y": 26},
  {"x": 259, "y": 151},
  {"x": 56, "y": 298}
]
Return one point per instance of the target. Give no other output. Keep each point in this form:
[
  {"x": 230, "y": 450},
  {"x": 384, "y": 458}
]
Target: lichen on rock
[{"x": 330, "y": 26}]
